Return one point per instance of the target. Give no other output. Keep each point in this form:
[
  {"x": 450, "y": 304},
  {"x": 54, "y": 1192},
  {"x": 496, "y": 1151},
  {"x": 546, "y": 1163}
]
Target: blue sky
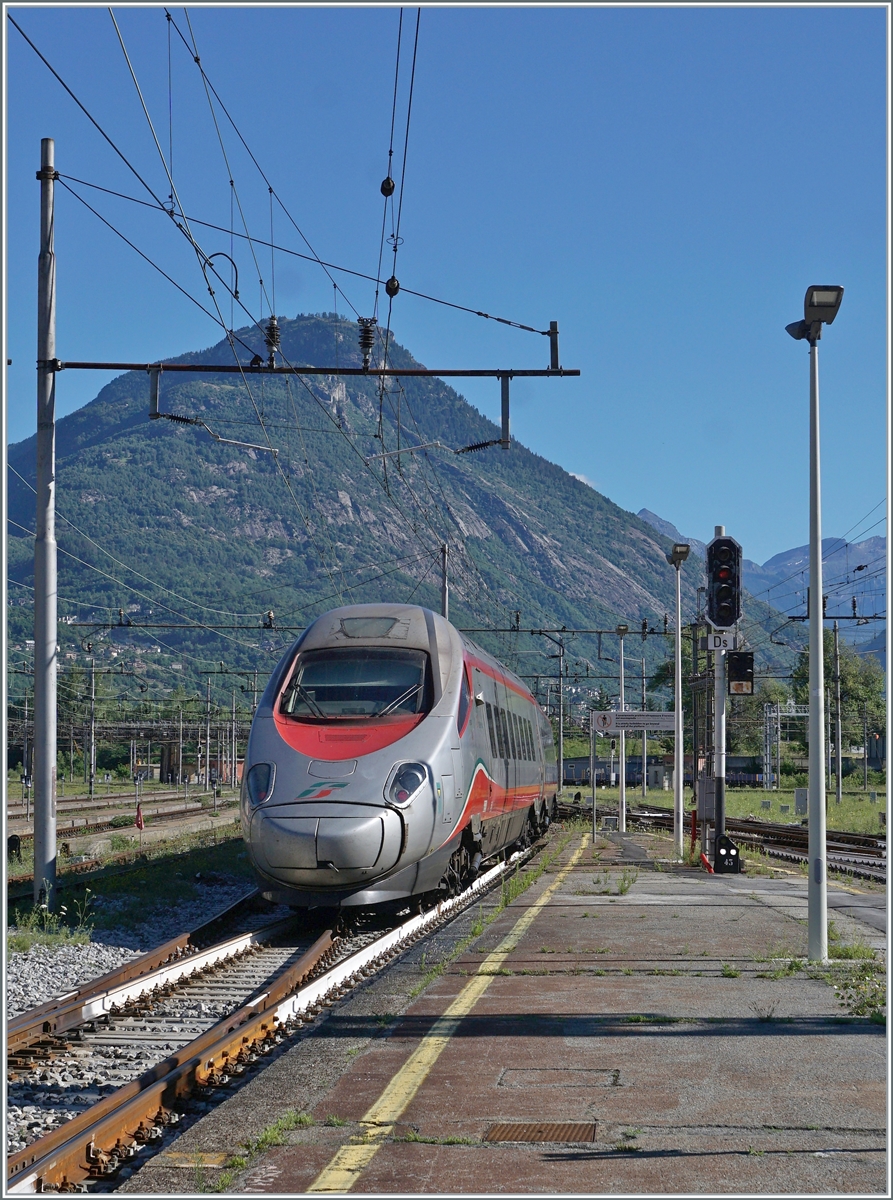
[{"x": 664, "y": 182}]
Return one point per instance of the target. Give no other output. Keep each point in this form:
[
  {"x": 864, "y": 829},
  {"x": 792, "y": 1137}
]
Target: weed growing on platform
[
  {"x": 784, "y": 970},
  {"x": 764, "y": 1012},
  {"x": 273, "y": 1135},
  {"x": 198, "y": 1173},
  {"x": 331, "y": 1119},
  {"x": 627, "y": 879},
  {"x": 412, "y": 1136},
  {"x": 863, "y": 992},
  {"x": 840, "y": 949},
  {"x": 729, "y": 972}
]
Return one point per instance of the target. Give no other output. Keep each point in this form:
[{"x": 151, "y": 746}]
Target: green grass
[
  {"x": 412, "y": 1136},
  {"x": 729, "y": 972},
  {"x": 41, "y": 926},
  {"x": 161, "y": 878},
  {"x": 837, "y": 948},
  {"x": 854, "y": 814},
  {"x": 273, "y": 1135}
]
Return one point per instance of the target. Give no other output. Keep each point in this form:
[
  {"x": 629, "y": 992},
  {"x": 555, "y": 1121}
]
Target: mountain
[
  {"x": 875, "y": 647},
  {"x": 169, "y": 523},
  {"x": 668, "y": 529}
]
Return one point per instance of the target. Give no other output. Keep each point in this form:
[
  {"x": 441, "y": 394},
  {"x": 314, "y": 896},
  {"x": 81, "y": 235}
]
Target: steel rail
[
  {"x": 103, "y": 826},
  {"x": 96, "y": 1142},
  {"x": 165, "y": 964},
  {"x": 78, "y": 1149},
  {"x": 784, "y": 842}
]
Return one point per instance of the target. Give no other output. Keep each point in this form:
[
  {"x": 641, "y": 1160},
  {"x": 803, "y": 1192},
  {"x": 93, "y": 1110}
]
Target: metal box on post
[{"x": 706, "y": 798}]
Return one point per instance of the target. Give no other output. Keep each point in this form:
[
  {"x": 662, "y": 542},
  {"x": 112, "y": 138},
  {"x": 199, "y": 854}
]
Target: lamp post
[
  {"x": 820, "y": 307},
  {"x": 622, "y": 630},
  {"x": 676, "y": 558}
]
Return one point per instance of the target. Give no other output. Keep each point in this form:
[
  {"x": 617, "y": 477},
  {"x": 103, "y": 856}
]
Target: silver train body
[{"x": 389, "y": 757}]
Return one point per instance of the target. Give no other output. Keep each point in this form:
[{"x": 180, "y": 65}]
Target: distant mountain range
[
  {"x": 849, "y": 569},
  {"x": 168, "y": 524}
]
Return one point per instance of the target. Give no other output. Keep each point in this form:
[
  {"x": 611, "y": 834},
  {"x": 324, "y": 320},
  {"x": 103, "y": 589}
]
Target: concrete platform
[{"x": 640, "y": 996}]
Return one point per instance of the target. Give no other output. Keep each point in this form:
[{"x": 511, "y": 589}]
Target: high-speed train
[{"x": 389, "y": 758}]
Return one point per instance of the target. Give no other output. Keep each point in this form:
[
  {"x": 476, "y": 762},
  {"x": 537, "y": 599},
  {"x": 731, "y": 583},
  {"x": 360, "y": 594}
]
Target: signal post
[{"x": 724, "y": 586}]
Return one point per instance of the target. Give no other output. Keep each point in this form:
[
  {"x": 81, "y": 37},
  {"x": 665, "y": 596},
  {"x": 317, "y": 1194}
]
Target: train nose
[{"x": 326, "y": 839}]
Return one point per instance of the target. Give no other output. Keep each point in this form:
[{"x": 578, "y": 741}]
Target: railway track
[
  {"x": 861, "y": 855},
  {"x": 105, "y": 824},
  {"x": 187, "y": 1018}
]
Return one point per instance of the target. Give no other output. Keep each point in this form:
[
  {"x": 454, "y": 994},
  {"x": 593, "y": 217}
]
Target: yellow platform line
[{"x": 378, "y": 1123}]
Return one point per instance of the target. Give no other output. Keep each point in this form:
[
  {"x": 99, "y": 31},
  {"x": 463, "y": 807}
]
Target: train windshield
[{"x": 359, "y": 683}]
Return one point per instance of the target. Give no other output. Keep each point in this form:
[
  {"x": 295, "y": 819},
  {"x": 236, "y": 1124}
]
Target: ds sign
[{"x": 719, "y": 641}]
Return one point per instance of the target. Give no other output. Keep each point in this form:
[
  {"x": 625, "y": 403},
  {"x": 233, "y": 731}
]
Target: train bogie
[{"x": 389, "y": 757}]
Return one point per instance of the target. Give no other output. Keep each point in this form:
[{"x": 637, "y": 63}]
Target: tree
[{"x": 862, "y": 686}]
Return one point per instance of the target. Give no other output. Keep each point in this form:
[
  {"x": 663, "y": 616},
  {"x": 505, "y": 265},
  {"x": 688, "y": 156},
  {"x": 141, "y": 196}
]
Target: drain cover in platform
[{"x": 541, "y": 1131}]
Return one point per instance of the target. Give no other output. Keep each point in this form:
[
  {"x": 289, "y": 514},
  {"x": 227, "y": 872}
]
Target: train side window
[
  {"x": 513, "y": 734},
  {"x": 527, "y": 744},
  {"x": 464, "y": 701},
  {"x": 505, "y": 748},
  {"x": 517, "y": 730},
  {"x": 494, "y": 747}
]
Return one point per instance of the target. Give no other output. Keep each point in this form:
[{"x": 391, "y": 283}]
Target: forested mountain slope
[{"x": 189, "y": 530}]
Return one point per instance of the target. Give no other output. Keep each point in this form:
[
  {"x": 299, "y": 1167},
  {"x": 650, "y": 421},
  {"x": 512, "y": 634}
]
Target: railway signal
[
  {"x": 739, "y": 671},
  {"x": 723, "y": 582}
]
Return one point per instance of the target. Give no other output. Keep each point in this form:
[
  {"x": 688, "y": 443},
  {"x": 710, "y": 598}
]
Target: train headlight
[
  {"x": 259, "y": 782},
  {"x": 409, "y": 778}
]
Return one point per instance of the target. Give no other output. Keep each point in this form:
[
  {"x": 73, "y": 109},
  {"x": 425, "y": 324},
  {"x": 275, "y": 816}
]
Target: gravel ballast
[{"x": 41, "y": 1100}]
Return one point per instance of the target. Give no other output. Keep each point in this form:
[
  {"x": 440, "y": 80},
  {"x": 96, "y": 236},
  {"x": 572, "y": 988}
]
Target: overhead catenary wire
[
  {"x": 203, "y": 261},
  {"x": 280, "y": 249},
  {"x": 193, "y": 51}
]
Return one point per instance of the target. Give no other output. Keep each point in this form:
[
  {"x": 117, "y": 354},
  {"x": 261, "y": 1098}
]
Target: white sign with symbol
[
  {"x": 719, "y": 641},
  {"x": 616, "y": 722}
]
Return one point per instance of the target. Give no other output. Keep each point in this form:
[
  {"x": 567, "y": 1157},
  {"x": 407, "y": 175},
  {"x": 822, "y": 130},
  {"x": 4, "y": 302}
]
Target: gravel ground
[{"x": 40, "y": 1101}]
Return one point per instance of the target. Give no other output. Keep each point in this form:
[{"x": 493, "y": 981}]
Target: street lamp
[
  {"x": 820, "y": 307},
  {"x": 676, "y": 558},
  {"x": 621, "y": 631}
]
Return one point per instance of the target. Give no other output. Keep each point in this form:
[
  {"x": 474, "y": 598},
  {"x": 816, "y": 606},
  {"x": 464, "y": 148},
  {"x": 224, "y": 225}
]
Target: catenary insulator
[
  {"x": 367, "y": 338},
  {"x": 387, "y": 186},
  {"x": 392, "y": 287},
  {"x": 271, "y": 339}
]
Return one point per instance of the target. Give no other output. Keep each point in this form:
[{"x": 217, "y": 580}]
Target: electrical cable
[
  {"x": 194, "y": 54},
  {"x": 310, "y": 258}
]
